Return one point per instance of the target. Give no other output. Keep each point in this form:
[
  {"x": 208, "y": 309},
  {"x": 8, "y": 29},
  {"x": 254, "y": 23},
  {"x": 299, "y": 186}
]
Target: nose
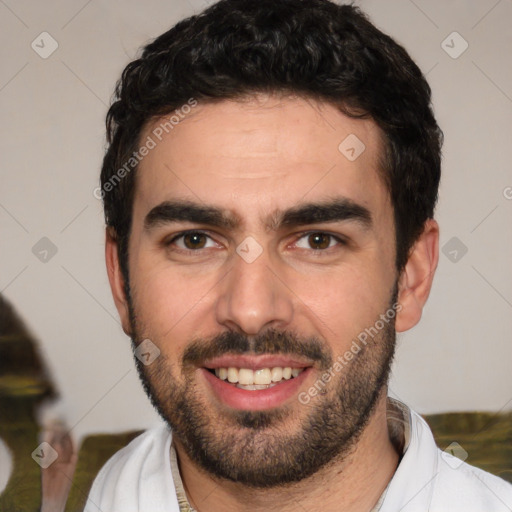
[{"x": 254, "y": 296}]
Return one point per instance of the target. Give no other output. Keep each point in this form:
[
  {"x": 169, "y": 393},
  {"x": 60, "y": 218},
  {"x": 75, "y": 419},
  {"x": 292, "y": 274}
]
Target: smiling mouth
[{"x": 252, "y": 380}]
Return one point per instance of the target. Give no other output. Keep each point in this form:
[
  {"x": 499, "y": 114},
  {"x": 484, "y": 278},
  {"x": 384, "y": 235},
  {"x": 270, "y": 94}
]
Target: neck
[{"x": 353, "y": 484}]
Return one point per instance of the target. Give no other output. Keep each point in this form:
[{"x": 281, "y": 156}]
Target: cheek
[
  {"x": 166, "y": 301},
  {"x": 159, "y": 295},
  {"x": 344, "y": 302}
]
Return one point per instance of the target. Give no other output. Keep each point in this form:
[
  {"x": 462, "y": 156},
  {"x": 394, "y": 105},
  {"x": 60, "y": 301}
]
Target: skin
[{"x": 254, "y": 158}]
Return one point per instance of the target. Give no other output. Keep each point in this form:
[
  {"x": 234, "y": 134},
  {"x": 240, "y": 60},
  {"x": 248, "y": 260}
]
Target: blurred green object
[
  {"x": 21, "y": 385},
  {"x": 19, "y": 430},
  {"x": 486, "y": 437},
  {"x": 24, "y": 385},
  {"x": 94, "y": 452}
]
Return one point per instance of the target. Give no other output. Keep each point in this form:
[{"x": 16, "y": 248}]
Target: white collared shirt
[{"x": 139, "y": 478}]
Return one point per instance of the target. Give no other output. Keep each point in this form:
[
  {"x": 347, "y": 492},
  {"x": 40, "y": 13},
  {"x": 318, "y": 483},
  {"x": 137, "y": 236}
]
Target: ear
[
  {"x": 115, "y": 277},
  {"x": 416, "y": 279}
]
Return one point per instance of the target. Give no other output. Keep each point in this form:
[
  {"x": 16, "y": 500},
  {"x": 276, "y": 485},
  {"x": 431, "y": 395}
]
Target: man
[{"x": 269, "y": 191}]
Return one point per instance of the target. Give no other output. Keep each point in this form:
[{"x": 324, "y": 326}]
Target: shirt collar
[{"x": 399, "y": 428}]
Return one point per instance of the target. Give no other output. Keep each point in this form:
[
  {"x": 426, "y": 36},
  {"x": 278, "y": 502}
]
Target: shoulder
[
  {"x": 136, "y": 455},
  {"x": 461, "y": 484},
  {"x": 118, "y": 483},
  {"x": 428, "y": 478},
  {"x": 457, "y": 485}
]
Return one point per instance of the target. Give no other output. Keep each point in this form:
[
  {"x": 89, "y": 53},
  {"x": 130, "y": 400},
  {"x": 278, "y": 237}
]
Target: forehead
[{"x": 263, "y": 152}]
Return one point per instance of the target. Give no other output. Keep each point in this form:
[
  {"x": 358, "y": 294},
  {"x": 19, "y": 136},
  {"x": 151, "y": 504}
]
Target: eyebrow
[{"x": 332, "y": 210}]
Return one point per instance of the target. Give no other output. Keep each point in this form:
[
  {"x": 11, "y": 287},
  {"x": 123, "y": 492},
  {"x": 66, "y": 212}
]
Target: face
[{"x": 259, "y": 250}]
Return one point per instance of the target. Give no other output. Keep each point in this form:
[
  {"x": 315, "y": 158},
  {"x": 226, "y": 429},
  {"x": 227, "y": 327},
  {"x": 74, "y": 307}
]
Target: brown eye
[
  {"x": 319, "y": 240},
  {"x": 189, "y": 242},
  {"x": 194, "y": 240}
]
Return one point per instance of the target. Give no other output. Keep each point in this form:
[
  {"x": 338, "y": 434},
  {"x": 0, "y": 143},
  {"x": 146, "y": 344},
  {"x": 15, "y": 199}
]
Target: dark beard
[{"x": 253, "y": 447}]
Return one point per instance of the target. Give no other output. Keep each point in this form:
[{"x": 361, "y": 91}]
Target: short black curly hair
[{"x": 313, "y": 48}]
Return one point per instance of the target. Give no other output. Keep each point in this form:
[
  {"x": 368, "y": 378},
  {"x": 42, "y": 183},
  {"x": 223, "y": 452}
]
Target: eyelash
[{"x": 341, "y": 241}]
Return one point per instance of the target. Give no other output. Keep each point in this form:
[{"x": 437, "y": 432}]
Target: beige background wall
[{"x": 52, "y": 137}]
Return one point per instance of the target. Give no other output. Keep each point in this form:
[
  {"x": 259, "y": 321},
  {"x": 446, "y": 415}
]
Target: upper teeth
[{"x": 247, "y": 377}]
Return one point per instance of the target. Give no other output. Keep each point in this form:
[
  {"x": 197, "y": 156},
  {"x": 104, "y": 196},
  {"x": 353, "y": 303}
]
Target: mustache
[{"x": 271, "y": 341}]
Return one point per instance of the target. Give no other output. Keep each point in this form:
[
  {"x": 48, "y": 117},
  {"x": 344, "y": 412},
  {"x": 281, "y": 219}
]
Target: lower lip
[{"x": 258, "y": 399}]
